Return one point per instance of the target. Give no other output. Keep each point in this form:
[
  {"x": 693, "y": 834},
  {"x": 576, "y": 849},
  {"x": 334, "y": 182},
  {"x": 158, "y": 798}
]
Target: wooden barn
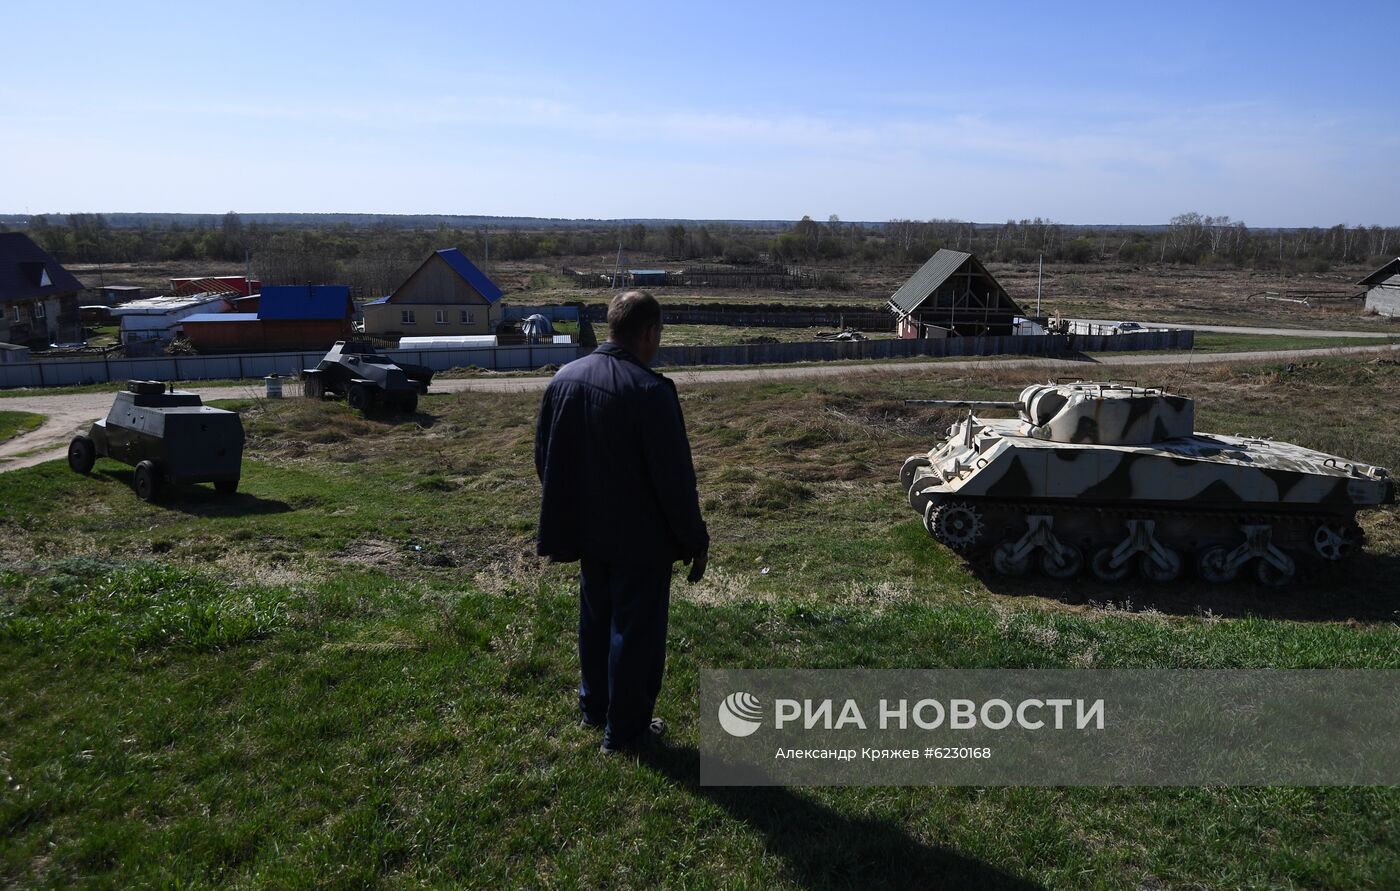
[
  {"x": 1383, "y": 289},
  {"x": 953, "y": 293},
  {"x": 445, "y": 295}
]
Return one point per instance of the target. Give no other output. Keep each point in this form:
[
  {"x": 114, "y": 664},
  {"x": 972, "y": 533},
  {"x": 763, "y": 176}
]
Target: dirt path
[
  {"x": 1246, "y": 329},
  {"x": 69, "y": 414}
]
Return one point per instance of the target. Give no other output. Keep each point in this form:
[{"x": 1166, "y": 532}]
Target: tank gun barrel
[{"x": 965, "y": 403}]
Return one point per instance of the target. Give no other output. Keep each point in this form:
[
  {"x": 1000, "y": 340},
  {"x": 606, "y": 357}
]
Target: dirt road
[
  {"x": 67, "y": 415},
  {"x": 1246, "y": 329}
]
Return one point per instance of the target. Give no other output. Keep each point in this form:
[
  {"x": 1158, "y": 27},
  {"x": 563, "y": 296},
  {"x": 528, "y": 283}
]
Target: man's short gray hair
[{"x": 631, "y": 313}]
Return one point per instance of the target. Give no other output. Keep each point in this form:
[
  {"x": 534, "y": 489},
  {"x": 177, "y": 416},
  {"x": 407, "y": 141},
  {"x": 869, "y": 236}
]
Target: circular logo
[{"x": 740, "y": 714}]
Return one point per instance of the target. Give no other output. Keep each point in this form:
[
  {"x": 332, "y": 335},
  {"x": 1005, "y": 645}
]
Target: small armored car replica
[
  {"x": 367, "y": 380},
  {"x": 1114, "y": 478},
  {"x": 169, "y": 435}
]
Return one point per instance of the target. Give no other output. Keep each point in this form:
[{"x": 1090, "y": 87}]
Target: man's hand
[{"x": 697, "y": 566}]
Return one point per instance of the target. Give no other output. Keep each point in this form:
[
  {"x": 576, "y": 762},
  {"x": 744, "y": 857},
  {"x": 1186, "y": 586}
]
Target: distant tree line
[{"x": 375, "y": 257}]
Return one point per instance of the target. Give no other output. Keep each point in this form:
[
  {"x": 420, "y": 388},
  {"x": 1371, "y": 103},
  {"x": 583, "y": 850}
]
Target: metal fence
[
  {"x": 68, "y": 372},
  {"x": 819, "y": 351}
]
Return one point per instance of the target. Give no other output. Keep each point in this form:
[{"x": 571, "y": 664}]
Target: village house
[
  {"x": 38, "y": 297},
  {"x": 447, "y": 294}
]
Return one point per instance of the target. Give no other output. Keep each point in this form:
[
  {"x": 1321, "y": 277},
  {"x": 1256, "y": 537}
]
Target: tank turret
[{"x": 1113, "y": 477}]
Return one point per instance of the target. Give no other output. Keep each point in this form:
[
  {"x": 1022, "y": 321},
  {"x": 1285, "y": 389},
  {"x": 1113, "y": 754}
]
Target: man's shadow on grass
[
  {"x": 826, "y": 849},
  {"x": 201, "y": 500}
]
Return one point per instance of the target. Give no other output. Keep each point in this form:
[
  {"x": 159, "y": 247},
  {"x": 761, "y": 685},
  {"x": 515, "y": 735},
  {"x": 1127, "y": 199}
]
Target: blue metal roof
[
  {"x": 221, "y": 317},
  {"x": 474, "y": 277},
  {"x": 302, "y": 302},
  {"x": 646, "y": 272}
]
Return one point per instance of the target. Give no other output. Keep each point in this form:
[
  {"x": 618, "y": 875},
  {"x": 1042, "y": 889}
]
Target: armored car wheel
[
  {"x": 82, "y": 454},
  {"x": 1065, "y": 565},
  {"x": 359, "y": 397},
  {"x": 1103, "y": 569},
  {"x": 408, "y": 404},
  {"x": 313, "y": 387},
  {"x": 226, "y": 487},
  {"x": 147, "y": 481}
]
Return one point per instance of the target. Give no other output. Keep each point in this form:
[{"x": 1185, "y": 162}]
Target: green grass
[
  {"x": 1213, "y": 342},
  {"x": 354, "y": 673},
  {"x": 14, "y": 423}
]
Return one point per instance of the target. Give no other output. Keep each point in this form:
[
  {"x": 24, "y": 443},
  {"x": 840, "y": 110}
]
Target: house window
[
  {"x": 468, "y": 317},
  {"x": 38, "y": 309},
  {"x": 441, "y": 317},
  {"x": 406, "y": 317}
]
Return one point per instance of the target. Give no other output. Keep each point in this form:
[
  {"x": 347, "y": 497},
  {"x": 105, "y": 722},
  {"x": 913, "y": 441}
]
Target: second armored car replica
[
  {"x": 1114, "y": 478},
  {"x": 368, "y": 380},
  {"x": 169, "y": 435}
]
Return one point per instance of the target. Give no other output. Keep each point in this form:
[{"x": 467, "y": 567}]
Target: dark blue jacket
[{"x": 613, "y": 459}]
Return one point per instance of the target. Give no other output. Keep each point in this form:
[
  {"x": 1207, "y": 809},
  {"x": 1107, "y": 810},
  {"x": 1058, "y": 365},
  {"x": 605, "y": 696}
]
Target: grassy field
[
  {"x": 1216, "y": 342},
  {"x": 355, "y": 673},
  {"x": 13, "y": 423}
]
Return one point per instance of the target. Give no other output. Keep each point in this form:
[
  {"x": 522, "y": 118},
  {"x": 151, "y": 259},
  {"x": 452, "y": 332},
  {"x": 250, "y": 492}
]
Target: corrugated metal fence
[
  {"x": 67, "y": 372},
  {"x": 817, "y": 351}
]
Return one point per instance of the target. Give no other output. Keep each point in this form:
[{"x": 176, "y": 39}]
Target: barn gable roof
[
  {"x": 466, "y": 269},
  {"x": 1381, "y": 275},
  {"x": 27, "y": 270},
  {"x": 931, "y": 276}
]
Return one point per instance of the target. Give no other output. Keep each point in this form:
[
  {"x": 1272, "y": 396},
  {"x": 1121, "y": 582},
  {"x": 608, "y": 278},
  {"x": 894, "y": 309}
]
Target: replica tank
[
  {"x": 170, "y": 436},
  {"x": 1115, "y": 478},
  {"x": 366, "y": 379}
]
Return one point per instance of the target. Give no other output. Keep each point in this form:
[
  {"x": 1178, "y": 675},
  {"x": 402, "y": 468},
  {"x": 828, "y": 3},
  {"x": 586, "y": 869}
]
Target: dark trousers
[{"x": 623, "y": 609}]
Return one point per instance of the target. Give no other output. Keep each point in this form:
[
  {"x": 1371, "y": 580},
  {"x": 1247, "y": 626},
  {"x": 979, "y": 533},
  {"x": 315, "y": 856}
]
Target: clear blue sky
[{"x": 1279, "y": 114}]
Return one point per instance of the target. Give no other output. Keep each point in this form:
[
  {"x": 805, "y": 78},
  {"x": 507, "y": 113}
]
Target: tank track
[{"x": 1063, "y": 540}]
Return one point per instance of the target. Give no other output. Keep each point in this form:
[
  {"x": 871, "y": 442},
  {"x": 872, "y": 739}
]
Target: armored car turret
[
  {"x": 169, "y": 436},
  {"x": 1113, "y": 479}
]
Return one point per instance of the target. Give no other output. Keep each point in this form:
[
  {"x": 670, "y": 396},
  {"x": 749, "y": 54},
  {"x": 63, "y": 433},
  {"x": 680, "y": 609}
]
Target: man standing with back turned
[{"x": 619, "y": 496}]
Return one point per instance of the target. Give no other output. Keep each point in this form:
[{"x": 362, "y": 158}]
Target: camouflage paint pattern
[{"x": 1105, "y": 443}]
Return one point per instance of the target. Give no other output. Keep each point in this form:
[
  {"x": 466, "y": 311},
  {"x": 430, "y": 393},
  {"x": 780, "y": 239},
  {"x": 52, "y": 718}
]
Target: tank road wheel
[
  {"x": 359, "y": 397},
  {"x": 957, "y": 525},
  {"x": 1005, "y": 561},
  {"x": 1276, "y": 576},
  {"x": 1215, "y": 566},
  {"x": 147, "y": 481},
  {"x": 1103, "y": 569},
  {"x": 1064, "y": 565},
  {"x": 226, "y": 487},
  {"x": 1331, "y": 542},
  {"x": 82, "y": 454},
  {"x": 1160, "y": 568}
]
